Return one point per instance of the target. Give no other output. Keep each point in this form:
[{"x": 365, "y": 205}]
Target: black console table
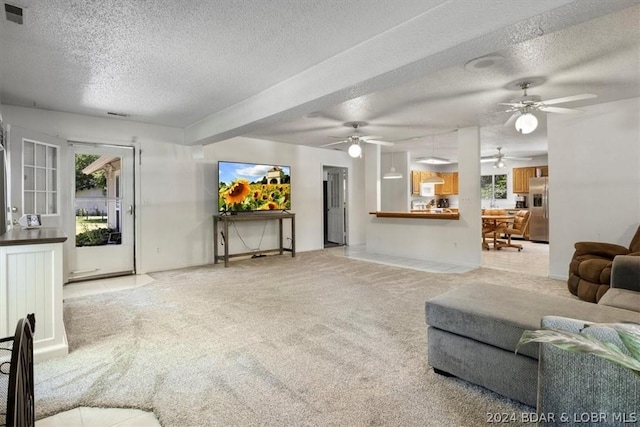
[{"x": 252, "y": 216}]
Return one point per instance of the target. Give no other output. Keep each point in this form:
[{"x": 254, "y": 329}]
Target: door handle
[
  {"x": 14, "y": 209},
  {"x": 130, "y": 210}
]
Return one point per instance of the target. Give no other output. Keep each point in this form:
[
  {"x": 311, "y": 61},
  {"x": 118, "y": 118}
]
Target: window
[
  {"x": 40, "y": 186},
  {"x": 493, "y": 186}
]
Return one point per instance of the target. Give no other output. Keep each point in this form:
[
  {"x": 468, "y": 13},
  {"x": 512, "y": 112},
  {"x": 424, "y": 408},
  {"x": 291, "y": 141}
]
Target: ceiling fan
[
  {"x": 498, "y": 159},
  {"x": 522, "y": 108},
  {"x": 355, "y": 150}
]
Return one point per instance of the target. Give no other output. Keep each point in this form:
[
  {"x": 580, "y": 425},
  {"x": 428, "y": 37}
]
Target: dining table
[{"x": 497, "y": 222}]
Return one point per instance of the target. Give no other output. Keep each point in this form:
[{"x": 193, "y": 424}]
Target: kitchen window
[{"x": 493, "y": 187}]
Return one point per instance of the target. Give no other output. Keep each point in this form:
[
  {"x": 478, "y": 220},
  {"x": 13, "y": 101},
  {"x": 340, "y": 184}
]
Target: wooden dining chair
[{"x": 517, "y": 228}]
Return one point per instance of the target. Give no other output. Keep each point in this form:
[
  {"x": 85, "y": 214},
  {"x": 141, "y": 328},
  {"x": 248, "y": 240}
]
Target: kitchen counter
[
  {"x": 32, "y": 236},
  {"x": 418, "y": 214}
]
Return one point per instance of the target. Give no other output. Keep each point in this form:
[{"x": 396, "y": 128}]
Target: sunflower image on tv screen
[{"x": 246, "y": 187}]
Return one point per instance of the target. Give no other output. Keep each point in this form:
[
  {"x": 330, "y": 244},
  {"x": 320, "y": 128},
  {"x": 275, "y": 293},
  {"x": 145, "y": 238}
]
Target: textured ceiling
[
  {"x": 600, "y": 56},
  {"x": 175, "y": 62},
  {"x": 258, "y": 68}
]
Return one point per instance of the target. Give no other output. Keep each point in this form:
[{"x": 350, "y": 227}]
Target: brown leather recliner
[{"x": 590, "y": 267}]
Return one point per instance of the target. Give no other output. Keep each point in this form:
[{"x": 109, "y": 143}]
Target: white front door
[
  {"x": 36, "y": 177},
  {"x": 335, "y": 205},
  {"x": 103, "y": 227}
]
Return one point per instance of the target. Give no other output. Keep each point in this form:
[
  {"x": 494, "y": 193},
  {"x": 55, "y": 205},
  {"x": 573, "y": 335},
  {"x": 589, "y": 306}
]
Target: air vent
[
  {"x": 117, "y": 114},
  {"x": 14, "y": 13}
]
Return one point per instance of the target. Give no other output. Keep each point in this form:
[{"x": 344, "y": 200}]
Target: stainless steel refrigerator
[{"x": 539, "y": 206}]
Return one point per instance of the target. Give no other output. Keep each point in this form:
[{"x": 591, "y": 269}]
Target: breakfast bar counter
[{"x": 418, "y": 215}]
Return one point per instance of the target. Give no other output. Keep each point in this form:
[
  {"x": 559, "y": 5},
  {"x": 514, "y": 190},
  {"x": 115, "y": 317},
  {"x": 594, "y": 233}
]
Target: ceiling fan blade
[
  {"x": 373, "y": 141},
  {"x": 559, "y": 110},
  {"x": 512, "y": 104},
  {"x": 523, "y": 159},
  {"x": 488, "y": 159},
  {"x": 512, "y": 119},
  {"x": 334, "y": 143},
  {"x": 569, "y": 99}
]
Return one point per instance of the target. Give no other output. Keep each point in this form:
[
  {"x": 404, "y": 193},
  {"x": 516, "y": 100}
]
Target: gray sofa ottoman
[{"x": 473, "y": 331}]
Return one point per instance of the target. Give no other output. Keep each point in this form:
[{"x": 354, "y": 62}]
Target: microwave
[{"x": 427, "y": 189}]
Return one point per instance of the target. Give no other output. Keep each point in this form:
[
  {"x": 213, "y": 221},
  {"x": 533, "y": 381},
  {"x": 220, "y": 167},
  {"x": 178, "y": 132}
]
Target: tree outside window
[{"x": 493, "y": 187}]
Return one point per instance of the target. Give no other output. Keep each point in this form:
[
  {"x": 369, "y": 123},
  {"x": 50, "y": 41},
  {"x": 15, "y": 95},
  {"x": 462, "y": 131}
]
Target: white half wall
[
  {"x": 447, "y": 241},
  {"x": 595, "y": 184}
]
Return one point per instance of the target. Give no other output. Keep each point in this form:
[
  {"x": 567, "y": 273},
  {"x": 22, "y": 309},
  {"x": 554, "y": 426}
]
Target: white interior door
[
  {"x": 335, "y": 205},
  {"x": 104, "y": 212},
  {"x": 36, "y": 178}
]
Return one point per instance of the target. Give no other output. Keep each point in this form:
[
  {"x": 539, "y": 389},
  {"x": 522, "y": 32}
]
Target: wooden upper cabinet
[
  {"x": 521, "y": 177},
  {"x": 445, "y": 189},
  {"x": 450, "y": 186},
  {"x": 455, "y": 183},
  {"x": 415, "y": 183}
]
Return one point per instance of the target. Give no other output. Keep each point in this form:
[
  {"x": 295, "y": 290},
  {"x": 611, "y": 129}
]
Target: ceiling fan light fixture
[
  {"x": 499, "y": 164},
  {"x": 355, "y": 150},
  {"x": 431, "y": 160},
  {"x": 526, "y": 123}
]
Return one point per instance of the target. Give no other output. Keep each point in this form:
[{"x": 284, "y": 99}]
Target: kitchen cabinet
[
  {"x": 445, "y": 189},
  {"x": 450, "y": 186},
  {"x": 521, "y": 176},
  {"x": 415, "y": 183},
  {"x": 455, "y": 183}
]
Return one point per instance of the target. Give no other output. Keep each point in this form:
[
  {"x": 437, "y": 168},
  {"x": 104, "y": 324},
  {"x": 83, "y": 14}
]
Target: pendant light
[
  {"x": 434, "y": 179},
  {"x": 392, "y": 174}
]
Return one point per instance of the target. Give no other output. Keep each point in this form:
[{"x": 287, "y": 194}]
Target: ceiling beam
[{"x": 449, "y": 34}]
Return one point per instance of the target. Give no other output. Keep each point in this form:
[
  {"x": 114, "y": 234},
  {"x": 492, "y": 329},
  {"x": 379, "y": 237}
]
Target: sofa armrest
[
  {"x": 625, "y": 272},
  {"x": 576, "y": 384},
  {"x": 607, "y": 250},
  {"x": 622, "y": 298}
]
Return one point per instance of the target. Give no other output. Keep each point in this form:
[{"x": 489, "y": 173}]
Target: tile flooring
[
  {"x": 98, "y": 286},
  {"x": 100, "y": 417},
  {"x": 359, "y": 252},
  {"x": 533, "y": 259}
]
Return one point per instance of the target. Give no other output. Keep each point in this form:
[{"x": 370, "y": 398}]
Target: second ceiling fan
[
  {"x": 355, "y": 150},
  {"x": 498, "y": 159},
  {"x": 522, "y": 108}
]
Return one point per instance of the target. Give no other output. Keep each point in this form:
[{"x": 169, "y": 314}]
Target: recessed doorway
[{"x": 334, "y": 216}]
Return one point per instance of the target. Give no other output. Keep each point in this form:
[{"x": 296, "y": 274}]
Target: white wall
[
  {"x": 595, "y": 180},
  {"x": 177, "y": 195},
  {"x": 395, "y": 193},
  {"x": 449, "y": 241},
  {"x": 169, "y": 212},
  {"x": 306, "y": 190}
]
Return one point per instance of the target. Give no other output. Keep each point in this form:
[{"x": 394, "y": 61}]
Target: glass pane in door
[{"x": 97, "y": 203}]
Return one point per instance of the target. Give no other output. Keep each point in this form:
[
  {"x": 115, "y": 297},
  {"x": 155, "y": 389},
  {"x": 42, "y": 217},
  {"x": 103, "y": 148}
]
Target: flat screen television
[{"x": 249, "y": 187}]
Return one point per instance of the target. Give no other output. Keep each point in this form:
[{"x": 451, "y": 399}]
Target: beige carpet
[{"x": 316, "y": 340}]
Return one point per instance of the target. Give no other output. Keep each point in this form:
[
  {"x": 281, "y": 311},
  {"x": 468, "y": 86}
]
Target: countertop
[
  {"x": 32, "y": 236},
  {"x": 417, "y": 214}
]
